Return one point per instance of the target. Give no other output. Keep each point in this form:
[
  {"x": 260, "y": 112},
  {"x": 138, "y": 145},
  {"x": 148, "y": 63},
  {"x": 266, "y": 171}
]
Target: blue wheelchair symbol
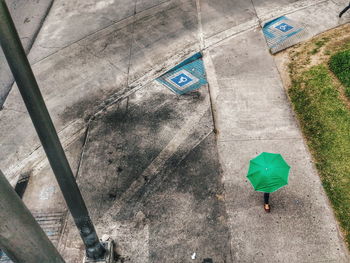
[
  {"x": 284, "y": 27},
  {"x": 181, "y": 80}
]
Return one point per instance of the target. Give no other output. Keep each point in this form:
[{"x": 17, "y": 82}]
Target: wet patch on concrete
[
  {"x": 125, "y": 140},
  {"x": 185, "y": 212},
  {"x": 151, "y": 178}
]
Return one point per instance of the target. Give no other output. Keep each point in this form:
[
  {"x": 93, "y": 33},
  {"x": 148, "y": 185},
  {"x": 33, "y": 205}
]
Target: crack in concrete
[
  {"x": 291, "y": 8},
  {"x": 46, "y": 47},
  {"x": 131, "y": 44},
  {"x": 260, "y": 139},
  {"x": 200, "y": 26},
  {"x": 9, "y": 109},
  {"x": 85, "y": 140},
  {"x": 96, "y": 56},
  {"x": 143, "y": 14}
]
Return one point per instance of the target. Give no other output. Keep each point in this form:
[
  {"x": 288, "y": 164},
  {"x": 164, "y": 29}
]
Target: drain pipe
[{"x": 41, "y": 119}]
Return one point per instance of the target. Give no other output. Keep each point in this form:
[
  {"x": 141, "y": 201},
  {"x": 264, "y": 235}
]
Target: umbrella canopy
[{"x": 268, "y": 172}]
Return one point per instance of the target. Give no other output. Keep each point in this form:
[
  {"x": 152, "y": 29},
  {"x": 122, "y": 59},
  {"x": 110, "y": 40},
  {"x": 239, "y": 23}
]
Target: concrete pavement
[
  {"x": 299, "y": 229},
  {"x": 96, "y": 63},
  {"x": 28, "y": 17}
]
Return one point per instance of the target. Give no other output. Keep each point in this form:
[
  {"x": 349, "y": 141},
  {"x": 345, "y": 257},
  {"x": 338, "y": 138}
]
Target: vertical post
[
  {"x": 39, "y": 114},
  {"x": 21, "y": 237}
]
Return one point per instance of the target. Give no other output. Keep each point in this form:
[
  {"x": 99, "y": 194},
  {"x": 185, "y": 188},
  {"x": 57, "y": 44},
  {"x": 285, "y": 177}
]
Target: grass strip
[
  {"x": 340, "y": 65},
  {"x": 325, "y": 121}
]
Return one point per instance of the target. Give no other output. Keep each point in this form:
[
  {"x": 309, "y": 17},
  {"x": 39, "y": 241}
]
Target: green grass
[
  {"x": 318, "y": 44},
  {"x": 325, "y": 121},
  {"x": 340, "y": 65}
]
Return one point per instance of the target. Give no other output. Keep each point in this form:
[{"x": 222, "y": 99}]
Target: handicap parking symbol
[
  {"x": 182, "y": 79},
  {"x": 284, "y": 27}
]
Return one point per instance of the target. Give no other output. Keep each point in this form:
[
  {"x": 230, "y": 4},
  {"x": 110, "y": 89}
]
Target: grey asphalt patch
[{"x": 28, "y": 17}]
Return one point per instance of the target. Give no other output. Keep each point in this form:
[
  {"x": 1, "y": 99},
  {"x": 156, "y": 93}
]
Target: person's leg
[
  {"x": 345, "y": 9},
  {"x": 266, "y": 198},
  {"x": 266, "y": 202}
]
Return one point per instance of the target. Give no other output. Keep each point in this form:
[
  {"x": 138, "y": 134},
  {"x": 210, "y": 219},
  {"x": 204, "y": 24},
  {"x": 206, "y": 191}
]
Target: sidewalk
[
  {"x": 28, "y": 17},
  {"x": 154, "y": 175}
]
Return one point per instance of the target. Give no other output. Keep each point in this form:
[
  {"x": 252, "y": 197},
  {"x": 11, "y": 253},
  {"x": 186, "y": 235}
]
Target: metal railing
[{"x": 28, "y": 87}]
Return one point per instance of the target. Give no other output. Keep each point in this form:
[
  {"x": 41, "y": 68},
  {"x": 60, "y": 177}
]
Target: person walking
[
  {"x": 267, "y": 173},
  {"x": 266, "y": 202},
  {"x": 344, "y": 10}
]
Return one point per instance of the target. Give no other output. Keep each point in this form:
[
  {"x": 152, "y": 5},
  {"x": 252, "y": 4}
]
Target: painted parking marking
[
  {"x": 182, "y": 79},
  {"x": 283, "y": 32},
  {"x": 185, "y": 77},
  {"x": 284, "y": 27}
]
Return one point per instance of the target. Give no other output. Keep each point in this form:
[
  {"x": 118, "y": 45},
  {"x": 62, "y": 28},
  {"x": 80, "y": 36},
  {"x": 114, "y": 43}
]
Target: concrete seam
[
  {"x": 64, "y": 226},
  {"x": 86, "y": 136},
  {"x": 98, "y": 57},
  {"x": 259, "y": 23},
  {"x": 201, "y": 139},
  {"x": 140, "y": 15},
  {"x": 213, "y": 88},
  {"x": 40, "y": 26},
  {"x": 288, "y": 11},
  {"x": 163, "y": 156},
  {"x": 27, "y": 50},
  {"x": 256, "y": 13},
  {"x": 200, "y": 26},
  {"x": 131, "y": 45},
  {"x": 260, "y": 139},
  {"x": 9, "y": 109},
  {"x": 132, "y": 190},
  {"x": 66, "y": 217},
  {"x": 122, "y": 96},
  {"x": 228, "y": 37}
]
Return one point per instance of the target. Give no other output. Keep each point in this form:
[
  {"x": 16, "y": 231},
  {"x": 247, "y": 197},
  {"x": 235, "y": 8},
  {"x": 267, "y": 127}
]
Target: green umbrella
[{"x": 268, "y": 172}]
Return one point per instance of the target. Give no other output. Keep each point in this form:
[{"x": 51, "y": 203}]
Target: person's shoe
[{"x": 267, "y": 208}]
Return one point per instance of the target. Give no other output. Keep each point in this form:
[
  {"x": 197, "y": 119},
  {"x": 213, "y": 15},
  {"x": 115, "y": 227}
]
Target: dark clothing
[
  {"x": 266, "y": 198},
  {"x": 345, "y": 9}
]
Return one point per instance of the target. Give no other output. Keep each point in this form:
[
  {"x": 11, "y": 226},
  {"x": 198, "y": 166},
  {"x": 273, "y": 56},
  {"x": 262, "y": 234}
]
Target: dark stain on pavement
[{"x": 180, "y": 201}]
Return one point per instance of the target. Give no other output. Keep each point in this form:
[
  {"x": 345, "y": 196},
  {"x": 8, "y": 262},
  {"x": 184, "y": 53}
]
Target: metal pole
[
  {"x": 39, "y": 114},
  {"x": 21, "y": 237}
]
